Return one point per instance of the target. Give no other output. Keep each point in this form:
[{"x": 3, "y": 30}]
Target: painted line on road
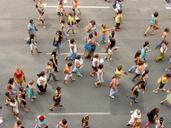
[
  {"x": 81, "y": 53},
  {"x": 85, "y": 7},
  {"x": 168, "y": 8},
  {"x": 81, "y": 113}
]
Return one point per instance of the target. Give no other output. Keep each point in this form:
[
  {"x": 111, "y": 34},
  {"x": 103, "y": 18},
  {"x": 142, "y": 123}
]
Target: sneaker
[{"x": 112, "y": 97}]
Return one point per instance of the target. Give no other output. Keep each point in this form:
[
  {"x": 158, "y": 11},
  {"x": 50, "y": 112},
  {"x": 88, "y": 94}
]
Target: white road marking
[
  {"x": 81, "y": 113},
  {"x": 85, "y": 7},
  {"x": 168, "y": 8}
]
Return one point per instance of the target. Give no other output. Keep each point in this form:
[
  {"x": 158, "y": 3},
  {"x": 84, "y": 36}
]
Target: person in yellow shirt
[
  {"x": 162, "y": 81},
  {"x": 71, "y": 22},
  {"x": 118, "y": 20}
]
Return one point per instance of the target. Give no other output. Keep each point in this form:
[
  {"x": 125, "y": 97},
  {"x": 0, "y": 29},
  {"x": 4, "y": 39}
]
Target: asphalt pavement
[{"x": 81, "y": 96}]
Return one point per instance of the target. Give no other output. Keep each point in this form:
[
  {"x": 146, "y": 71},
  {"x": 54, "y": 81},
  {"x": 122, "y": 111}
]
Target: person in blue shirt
[
  {"x": 144, "y": 50},
  {"x": 31, "y": 28},
  {"x": 41, "y": 122}
]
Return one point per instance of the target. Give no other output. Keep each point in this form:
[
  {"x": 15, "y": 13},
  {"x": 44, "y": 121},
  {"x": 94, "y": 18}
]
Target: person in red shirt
[{"x": 19, "y": 76}]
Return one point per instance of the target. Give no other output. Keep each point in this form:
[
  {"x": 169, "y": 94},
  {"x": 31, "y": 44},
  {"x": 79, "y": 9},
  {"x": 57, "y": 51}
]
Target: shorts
[
  {"x": 117, "y": 25},
  {"x": 161, "y": 85},
  {"x": 94, "y": 68},
  {"x": 68, "y": 76},
  {"x": 33, "y": 46}
]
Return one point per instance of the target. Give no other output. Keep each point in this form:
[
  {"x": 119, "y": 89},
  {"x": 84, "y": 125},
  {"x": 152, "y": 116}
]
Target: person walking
[
  {"x": 57, "y": 99},
  {"x": 32, "y": 29},
  {"x": 136, "y": 114},
  {"x": 95, "y": 64},
  {"x": 152, "y": 117},
  {"x": 42, "y": 82},
  {"x": 78, "y": 64},
  {"x": 162, "y": 81},
  {"x": 62, "y": 124},
  {"x": 19, "y": 76},
  {"x": 113, "y": 86},
  {"x": 154, "y": 24},
  {"x": 68, "y": 73},
  {"x": 57, "y": 41},
  {"x": 85, "y": 121},
  {"x": 41, "y": 122},
  {"x": 49, "y": 71},
  {"x": 73, "y": 50},
  {"x": 99, "y": 75}
]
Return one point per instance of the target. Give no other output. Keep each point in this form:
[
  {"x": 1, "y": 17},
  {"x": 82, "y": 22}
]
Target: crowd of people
[{"x": 18, "y": 96}]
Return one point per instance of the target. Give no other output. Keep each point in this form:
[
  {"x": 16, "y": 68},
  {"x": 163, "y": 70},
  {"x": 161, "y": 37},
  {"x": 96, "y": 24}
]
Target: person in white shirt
[
  {"x": 73, "y": 50},
  {"x": 95, "y": 64},
  {"x": 99, "y": 73},
  {"x": 42, "y": 82},
  {"x": 135, "y": 114},
  {"x": 78, "y": 65}
]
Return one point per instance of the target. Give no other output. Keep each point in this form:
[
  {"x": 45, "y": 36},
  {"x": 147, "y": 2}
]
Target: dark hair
[
  {"x": 63, "y": 21},
  {"x": 18, "y": 122},
  {"x": 100, "y": 66},
  {"x": 166, "y": 30},
  {"x": 146, "y": 72},
  {"x": 155, "y": 111},
  {"x": 93, "y": 22},
  {"x": 7, "y": 94},
  {"x": 64, "y": 121},
  {"x": 78, "y": 57},
  {"x": 42, "y": 73},
  {"x": 96, "y": 56},
  {"x": 58, "y": 88},
  {"x": 69, "y": 64},
  {"x": 119, "y": 67},
  {"x": 31, "y": 21},
  {"x": 90, "y": 35},
  {"x": 156, "y": 14},
  {"x": 112, "y": 33},
  {"x": 146, "y": 43},
  {"x": 137, "y": 54},
  {"x": 11, "y": 81},
  {"x": 72, "y": 41}
]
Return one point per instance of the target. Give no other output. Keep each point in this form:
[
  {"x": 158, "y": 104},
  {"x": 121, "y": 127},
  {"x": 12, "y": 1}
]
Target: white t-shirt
[
  {"x": 42, "y": 79},
  {"x": 94, "y": 61},
  {"x": 73, "y": 48}
]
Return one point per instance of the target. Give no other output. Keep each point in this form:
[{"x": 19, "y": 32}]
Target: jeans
[
  {"x": 58, "y": 49},
  {"x": 71, "y": 56},
  {"x": 51, "y": 75},
  {"x": 112, "y": 92},
  {"x": 77, "y": 71},
  {"x": 132, "y": 69}
]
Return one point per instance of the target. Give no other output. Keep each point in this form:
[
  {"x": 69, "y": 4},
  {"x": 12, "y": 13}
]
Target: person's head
[
  {"x": 167, "y": 30},
  {"x": 90, "y": 35},
  {"x": 12, "y": 100},
  {"x": 103, "y": 26},
  {"x": 78, "y": 57},
  {"x": 41, "y": 118},
  {"x": 42, "y": 73},
  {"x": 140, "y": 63},
  {"x": 31, "y": 21},
  {"x": 119, "y": 67},
  {"x": 31, "y": 82},
  {"x": 58, "y": 88},
  {"x": 70, "y": 14},
  {"x": 100, "y": 66},
  {"x": 146, "y": 44},
  {"x": 53, "y": 53},
  {"x": 168, "y": 75},
  {"x": 72, "y": 41},
  {"x": 112, "y": 33},
  {"x": 155, "y": 110},
  {"x": 69, "y": 64},
  {"x": 96, "y": 56},
  {"x": 58, "y": 33},
  {"x": 137, "y": 54},
  {"x": 11, "y": 81},
  {"x": 86, "y": 117},
  {"x": 120, "y": 12},
  {"x": 93, "y": 22},
  {"x": 63, "y": 21},
  {"x": 18, "y": 122},
  {"x": 7, "y": 94},
  {"x": 64, "y": 121},
  {"x": 156, "y": 14}
]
